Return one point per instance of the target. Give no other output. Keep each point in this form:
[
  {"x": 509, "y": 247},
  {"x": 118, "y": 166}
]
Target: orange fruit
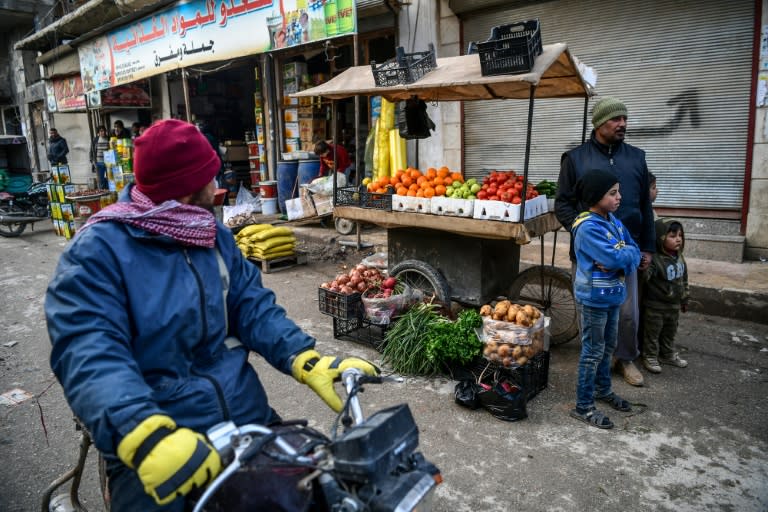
[
  {"x": 420, "y": 193},
  {"x": 411, "y": 193},
  {"x": 437, "y": 181},
  {"x": 457, "y": 176},
  {"x": 443, "y": 172},
  {"x": 406, "y": 180},
  {"x": 429, "y": 192},
  {"x": 447, "y": 181},
  {"x": 414, "y": 186},
  {"x": 415, "y": 173},
  {"x": 431, "y": 173},
  {"x": 421, "y": 179},
  {"x": 394, "y": 180},
  {"x": 440, "y": 190},
  {"x": 402, "y": 191}
]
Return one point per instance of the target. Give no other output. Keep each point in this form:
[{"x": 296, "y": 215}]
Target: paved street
[{"x": 700, "y": 442}]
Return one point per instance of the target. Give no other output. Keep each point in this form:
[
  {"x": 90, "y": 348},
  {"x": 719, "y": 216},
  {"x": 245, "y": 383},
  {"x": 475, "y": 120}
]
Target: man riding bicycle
[{"x": 152, "y": 312}]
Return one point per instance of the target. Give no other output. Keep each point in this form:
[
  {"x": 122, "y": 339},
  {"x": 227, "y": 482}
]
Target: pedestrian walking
[
  {"x": 99, "y": 145},
  {"x": 607, "y": 150}
]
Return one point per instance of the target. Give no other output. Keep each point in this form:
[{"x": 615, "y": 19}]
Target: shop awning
[{"x": 555, "y": 74}]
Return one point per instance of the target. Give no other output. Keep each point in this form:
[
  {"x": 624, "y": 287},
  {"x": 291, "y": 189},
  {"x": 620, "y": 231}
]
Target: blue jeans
[
  {"x": 101, "y": 173},
  {"x": 599, "y": 328}
]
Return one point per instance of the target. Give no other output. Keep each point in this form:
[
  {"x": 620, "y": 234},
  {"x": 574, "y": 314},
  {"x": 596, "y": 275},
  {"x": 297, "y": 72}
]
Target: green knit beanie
[{"x": 607, "y": 108}]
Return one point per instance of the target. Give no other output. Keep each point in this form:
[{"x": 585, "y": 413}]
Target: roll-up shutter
[{"x": 683, "y": 69}]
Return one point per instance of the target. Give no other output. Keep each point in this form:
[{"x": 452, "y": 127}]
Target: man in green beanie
[{"x": 606, "y": 150}]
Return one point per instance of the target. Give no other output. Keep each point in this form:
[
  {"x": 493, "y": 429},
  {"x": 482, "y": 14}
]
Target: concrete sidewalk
[{"x": 732, "y": 290}]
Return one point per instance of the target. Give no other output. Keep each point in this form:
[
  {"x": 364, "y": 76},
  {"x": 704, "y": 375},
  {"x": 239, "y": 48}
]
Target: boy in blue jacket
[{"x": 605, "y": 254}]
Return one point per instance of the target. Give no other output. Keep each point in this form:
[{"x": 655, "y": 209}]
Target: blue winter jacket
[
  {"x": 603, "y": 242},
  {"x": 137, "y": 325}
]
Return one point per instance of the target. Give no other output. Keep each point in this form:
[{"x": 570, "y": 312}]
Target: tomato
[
  {"x": 493, "y": 198},
  {"x": 518, "y": 186},
  {"x": 516, "y": 200},
  {"x": 482, "y": 194}
]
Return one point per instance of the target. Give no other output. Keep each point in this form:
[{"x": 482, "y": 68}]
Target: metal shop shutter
[{"x": 683, "y": 68}]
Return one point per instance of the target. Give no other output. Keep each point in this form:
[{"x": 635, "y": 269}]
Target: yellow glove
[
  {"x": 170, "y": 462},
  {"x": 319, "y": 373}
]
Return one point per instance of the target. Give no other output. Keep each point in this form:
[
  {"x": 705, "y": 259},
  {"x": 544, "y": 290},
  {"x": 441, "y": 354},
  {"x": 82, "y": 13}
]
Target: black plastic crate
[
  {"x": 533, "y": 376},
  {"x": 360, "y": 330},
  {"x": 511, "y": 49},
  {"x": 339, "y": 305},
  {"x": 404, "y": 68},
  {"x": 352, "y": 196}
]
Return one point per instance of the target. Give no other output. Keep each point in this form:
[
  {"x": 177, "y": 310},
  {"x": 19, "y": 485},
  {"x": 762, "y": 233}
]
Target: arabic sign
[
  {"x": 65, "y": 94},
  {"x": 193, "y": 32}
]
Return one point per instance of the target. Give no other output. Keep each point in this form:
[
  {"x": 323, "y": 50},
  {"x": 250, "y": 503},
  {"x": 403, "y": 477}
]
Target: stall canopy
[{"x": 555, "y": 74}]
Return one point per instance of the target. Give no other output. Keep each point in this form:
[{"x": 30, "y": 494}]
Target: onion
[
  {"x": 362, "y": 286},
  {"x": 346, "y": 290},
  {"x": 343, "y": 279},
  {"x": 356, "y": 274},
  {"x": 361, "y": 268},
  {"x": 334, "y": 284},
  {"x": 325, "y": 286},
  {"x": 335, "y": 289},
  {"x": 355, "y": 280}
]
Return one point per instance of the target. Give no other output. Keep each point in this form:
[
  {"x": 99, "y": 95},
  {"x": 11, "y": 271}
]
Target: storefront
[
  {"x": 689, "y": 107},
  {"x": 232, "y": 69}
]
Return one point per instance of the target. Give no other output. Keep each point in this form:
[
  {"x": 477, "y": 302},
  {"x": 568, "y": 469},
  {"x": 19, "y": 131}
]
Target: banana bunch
[
  {"x": 389, "y": 148},
  {"x": 265, "y": 241}
]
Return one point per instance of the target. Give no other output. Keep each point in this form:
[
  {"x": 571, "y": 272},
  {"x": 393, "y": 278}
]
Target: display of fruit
[
  {"x": 357, "y": 280},
  {"x": 547, "y": 188},
  {"x": 415, "y": 183},
  {"x": 506, "y": 186}
]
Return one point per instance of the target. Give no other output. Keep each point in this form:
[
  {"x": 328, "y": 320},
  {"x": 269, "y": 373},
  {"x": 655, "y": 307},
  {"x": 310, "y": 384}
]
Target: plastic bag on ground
[
  {"x": 324, "y": 185},
  {"x": 377, "y": 260}
]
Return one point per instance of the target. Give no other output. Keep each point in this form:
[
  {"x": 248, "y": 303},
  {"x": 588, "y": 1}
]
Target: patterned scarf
[{"x": 187, "y": 224}]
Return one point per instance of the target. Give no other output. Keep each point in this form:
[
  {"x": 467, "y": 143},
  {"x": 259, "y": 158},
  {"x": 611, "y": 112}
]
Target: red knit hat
[{"x": 173, "y": 159}]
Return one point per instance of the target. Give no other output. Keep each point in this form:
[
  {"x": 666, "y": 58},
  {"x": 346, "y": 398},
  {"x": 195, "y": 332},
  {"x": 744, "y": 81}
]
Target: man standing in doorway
[
  {"x": 606, "y": 150},
  {"x": 120, "y": 131},
  {"x": 57, "y": 148}
]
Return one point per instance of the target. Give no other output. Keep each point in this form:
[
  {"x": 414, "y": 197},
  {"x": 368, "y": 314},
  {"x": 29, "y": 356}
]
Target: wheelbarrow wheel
[
  {"x": 345, "y": 226},
  {"x": 549, "y": 289},
  {"x": 423, "y": 277}
]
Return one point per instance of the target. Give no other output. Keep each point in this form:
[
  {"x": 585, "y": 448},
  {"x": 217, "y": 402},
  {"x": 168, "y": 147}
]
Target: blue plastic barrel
[
  {"x": 308, "y": 170},
  {"x": 287, "y": 173}
]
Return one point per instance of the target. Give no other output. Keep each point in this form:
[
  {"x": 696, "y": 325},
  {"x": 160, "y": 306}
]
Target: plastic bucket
[
  {"x": 287, "y": 172},
  {"x": 268, "y": 189},
  {"x": 268, "y": 205},
  {"x": 308, "y": 170}
]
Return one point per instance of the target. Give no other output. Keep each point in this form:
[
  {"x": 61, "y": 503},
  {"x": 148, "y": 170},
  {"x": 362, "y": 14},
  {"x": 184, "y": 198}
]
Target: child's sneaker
[
  {"x": 674, "y": 360},
  {"x": 652, "y": 364}
]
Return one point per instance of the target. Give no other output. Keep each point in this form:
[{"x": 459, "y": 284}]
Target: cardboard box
[
  {"x": 312, "y": 129},
  {"x": 323, "y": 204},
  {"x": 287, "y": 100},
  {"x": 291, "y": 131},
  {"x": 291, "y": 115},
  {"x": 294, "y": 70},
  {"x": 293, "y": 144},
  {"x": 236, "y": 153}
]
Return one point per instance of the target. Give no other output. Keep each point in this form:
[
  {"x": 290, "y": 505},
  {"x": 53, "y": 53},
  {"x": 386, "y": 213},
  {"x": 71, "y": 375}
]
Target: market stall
[{"x": 471, "y": 260}]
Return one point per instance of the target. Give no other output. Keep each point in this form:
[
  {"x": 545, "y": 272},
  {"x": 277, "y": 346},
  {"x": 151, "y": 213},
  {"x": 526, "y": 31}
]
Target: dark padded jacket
[
  {"x": 138, "y": 327},
  {"x": 666, "y": 279},
  {"x": 628, "y": 163}
]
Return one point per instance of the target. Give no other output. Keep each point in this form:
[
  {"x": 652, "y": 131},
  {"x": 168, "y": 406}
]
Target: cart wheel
[
  {"x": 549, "y": 288},
  {"x": 14, "y": 229},
  {"x": 345, "y": 226},
  {"x": 421, "y": 276}
]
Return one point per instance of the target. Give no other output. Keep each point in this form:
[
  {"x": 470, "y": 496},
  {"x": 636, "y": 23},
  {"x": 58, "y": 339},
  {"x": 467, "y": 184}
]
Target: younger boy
[
  {"x": 666, "y": 294},
  {"x": 605, "y": 254}
]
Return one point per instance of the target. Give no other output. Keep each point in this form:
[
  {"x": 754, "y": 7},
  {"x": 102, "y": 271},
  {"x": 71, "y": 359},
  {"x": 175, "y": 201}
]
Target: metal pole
[
  {"x": 185, "y": 86},
  {"x": 333, "y": 139},
  {"x": 355, "y": 61},
  {"x": 527, "y": 152},
  {"x": 584, "y": 123}
]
